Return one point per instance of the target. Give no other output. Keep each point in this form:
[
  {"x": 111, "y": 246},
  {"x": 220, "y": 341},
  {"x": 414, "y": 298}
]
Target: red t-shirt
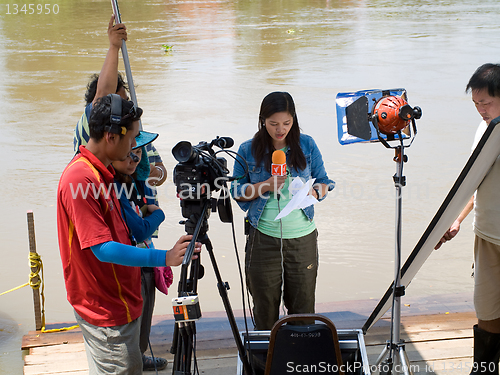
[{"x": 104, "y": 294}]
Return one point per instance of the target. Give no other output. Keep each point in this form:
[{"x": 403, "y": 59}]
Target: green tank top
[{"x": 294, "y": 225}]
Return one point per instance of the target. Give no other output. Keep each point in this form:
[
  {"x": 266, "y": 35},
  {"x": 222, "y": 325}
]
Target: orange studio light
[{"x": 392, "y": 113}]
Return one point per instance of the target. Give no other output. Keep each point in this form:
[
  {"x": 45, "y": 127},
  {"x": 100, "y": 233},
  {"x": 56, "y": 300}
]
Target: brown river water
[{"x": 225, "y": 57}]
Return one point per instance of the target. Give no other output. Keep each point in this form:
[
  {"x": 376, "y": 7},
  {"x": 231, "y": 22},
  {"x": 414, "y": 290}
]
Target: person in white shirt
[{"x": 485, "y": 88}]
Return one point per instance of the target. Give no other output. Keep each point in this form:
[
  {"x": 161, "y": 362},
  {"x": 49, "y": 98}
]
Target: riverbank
[{"x": 437, "y": 329}]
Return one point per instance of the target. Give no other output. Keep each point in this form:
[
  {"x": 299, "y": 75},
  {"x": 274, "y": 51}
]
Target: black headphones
[{"x": 116, "y": 116}]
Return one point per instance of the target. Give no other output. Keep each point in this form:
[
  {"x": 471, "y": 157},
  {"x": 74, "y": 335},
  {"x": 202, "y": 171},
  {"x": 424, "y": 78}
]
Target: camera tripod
[
  {"x": 184, "y": 331},
  {"x": 396, "y": 344}
]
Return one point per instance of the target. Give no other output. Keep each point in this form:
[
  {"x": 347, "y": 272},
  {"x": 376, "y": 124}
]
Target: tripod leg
[
  {"x": 403, "y": 358},
  {"x": 184, "y": 348},
  {"x": 383, "y": 354},
  {"x": 175, "y": 348},
  {"x": 227, "y": 306}
]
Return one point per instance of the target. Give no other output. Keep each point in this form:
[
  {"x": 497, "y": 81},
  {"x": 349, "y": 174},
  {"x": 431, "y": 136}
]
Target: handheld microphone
[{"x": 278, "y": 166}]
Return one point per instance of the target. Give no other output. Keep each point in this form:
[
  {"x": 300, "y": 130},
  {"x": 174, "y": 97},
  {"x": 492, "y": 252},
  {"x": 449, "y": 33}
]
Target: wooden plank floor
[{"x": 439, "y": 343}]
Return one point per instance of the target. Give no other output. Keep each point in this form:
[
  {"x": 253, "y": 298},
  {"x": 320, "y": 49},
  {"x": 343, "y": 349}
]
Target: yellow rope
[
  {"x": 36, "y": 264},
  {"x": 35, "y": 261},
  {"x": 59, "y": 329},
  {"x": 16, "y": 288}
]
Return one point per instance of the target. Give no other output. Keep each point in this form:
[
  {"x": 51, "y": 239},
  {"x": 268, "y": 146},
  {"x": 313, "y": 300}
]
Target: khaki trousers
[
  {"x": 486, "y": 279},
  {"x": 112, "y": 350}
]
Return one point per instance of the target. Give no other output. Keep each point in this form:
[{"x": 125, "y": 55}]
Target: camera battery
[{"x": 186, "y": 308}]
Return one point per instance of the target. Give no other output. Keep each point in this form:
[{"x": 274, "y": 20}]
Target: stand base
[{"x": 388, "y": 367}]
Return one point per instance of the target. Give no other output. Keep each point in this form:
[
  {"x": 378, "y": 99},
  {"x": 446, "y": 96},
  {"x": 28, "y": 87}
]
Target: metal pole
[
  {"x": 397, "y": 265},
  {"x": 126, "y": 61},
  {"x": 395, "y": 347},
  {"x": 397, "y": 343},
  {"x": 36, "y": 292}
]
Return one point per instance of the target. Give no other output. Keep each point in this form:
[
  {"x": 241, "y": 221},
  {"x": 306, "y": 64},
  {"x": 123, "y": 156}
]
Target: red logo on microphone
[{"x": 278, "y": 169}]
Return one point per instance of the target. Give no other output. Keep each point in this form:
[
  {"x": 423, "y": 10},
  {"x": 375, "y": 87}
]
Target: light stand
[
  {"x": 396, "y": 344},
  {"x": 391, "y": 115}
]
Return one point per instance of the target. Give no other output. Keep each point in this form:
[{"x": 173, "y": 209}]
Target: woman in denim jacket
[{"x": 279, "y": 254}]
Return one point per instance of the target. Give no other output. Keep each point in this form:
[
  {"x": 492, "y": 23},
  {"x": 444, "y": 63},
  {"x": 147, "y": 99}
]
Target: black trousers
[
  {"x": 266, "y": 271},
  {"x": 148, "y": 289}
]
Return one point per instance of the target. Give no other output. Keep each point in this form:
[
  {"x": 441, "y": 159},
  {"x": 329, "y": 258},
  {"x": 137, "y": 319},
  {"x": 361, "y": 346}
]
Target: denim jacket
[{"x": 258, "y": 173}]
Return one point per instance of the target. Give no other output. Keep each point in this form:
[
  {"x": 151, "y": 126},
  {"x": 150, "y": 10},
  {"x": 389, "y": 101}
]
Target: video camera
[{"x": 199, "y": 173}]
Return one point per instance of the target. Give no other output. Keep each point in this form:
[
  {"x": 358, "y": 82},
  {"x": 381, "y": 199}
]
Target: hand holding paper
[{"x": 300, "y": 198}]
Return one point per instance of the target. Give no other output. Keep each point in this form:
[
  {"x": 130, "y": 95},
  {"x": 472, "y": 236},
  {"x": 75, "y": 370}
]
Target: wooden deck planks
[
  {"x": 36, "y": 339},
  {"x": 440, "y": 344},
  {"x": 57, "y": 349}
]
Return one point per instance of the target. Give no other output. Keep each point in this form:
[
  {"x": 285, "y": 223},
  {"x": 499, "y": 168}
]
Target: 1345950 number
[{"x": 32, "y": 9}]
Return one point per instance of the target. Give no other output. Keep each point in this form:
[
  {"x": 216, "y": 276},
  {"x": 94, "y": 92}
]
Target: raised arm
[{"x": 108, "y": 78}]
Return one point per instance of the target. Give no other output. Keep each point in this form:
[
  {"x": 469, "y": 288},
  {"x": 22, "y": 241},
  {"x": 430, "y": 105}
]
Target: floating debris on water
[{"x": 167, "y": 48}]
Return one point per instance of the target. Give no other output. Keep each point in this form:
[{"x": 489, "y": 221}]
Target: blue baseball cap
[{"x": 144, "y": 138}]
